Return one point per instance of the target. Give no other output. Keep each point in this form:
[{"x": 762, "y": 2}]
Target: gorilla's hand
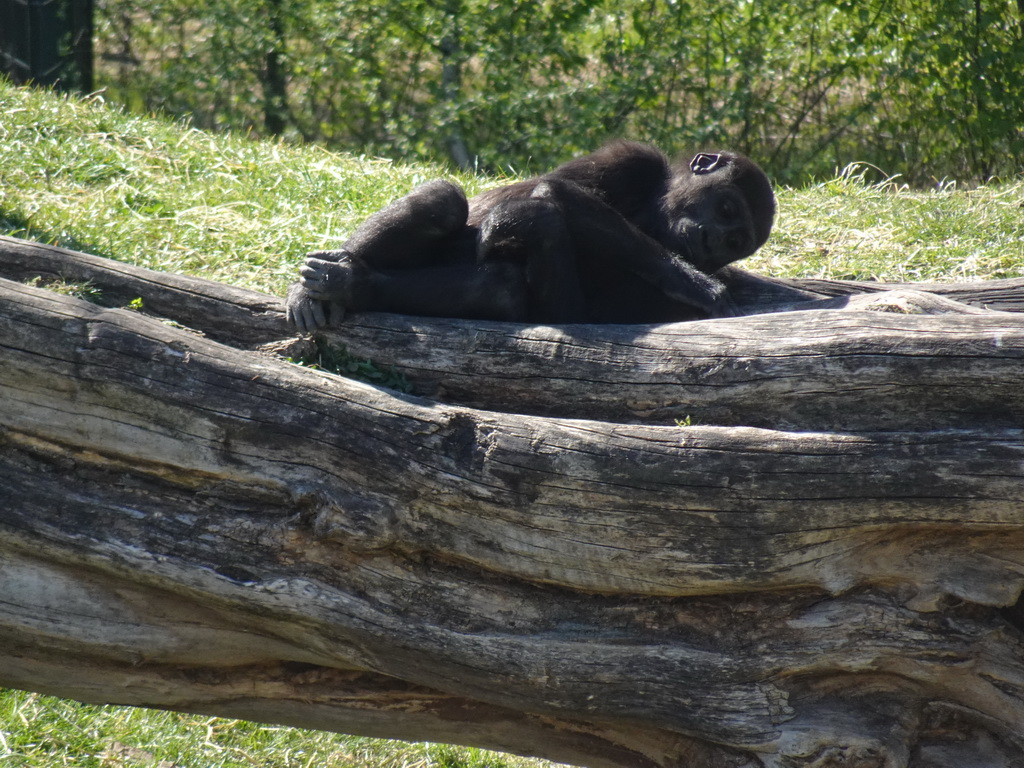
[
  {"x": 323, "y": 293},
  {"x": 308, "y": 314}
]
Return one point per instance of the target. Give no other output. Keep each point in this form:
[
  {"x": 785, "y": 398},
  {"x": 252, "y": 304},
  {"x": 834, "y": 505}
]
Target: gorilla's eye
[{"x": 727, "y": 209}]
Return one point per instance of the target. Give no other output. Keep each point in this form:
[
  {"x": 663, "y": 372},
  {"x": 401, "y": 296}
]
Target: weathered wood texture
[
  {"x": 823, "y": 571},
  {"x": 800, "y": 370}
]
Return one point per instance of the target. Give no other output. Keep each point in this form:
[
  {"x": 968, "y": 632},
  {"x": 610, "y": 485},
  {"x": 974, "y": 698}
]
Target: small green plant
[
  {"x": 338, "y": 360},
  {"x": 86, "y": 291}
]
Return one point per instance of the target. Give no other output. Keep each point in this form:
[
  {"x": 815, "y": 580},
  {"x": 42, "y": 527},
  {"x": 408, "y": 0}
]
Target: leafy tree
[{"x": 922, "y": 89}]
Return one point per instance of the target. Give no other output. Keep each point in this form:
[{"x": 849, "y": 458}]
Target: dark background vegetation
[
  {"x": 930, "y": 90},
  {"x": 927, "y": 90}
]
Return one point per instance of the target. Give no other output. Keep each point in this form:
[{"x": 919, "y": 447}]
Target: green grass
[
  {"x": 232, "y": 209},
  {"x": 855, "y": 228},
  {"x": 167, "y": 197},
  {"x": 45, "y": 732}
]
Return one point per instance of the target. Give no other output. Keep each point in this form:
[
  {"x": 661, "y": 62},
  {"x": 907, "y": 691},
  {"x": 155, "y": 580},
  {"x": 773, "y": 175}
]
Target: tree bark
[{"x": 821, "y": 569}]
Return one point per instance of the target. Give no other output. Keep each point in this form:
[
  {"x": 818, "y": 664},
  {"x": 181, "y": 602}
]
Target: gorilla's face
[{"x": 710, "y": 209}]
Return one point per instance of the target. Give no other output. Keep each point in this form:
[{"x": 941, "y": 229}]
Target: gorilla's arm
[
  {"x": 406, "y": 234},
  {"x": 602, "y": 237},
  {"x": 487, "y": 291},
  {"x": 629, "y": 177}
]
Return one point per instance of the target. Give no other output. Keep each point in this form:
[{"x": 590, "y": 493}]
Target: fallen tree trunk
[
  {"x": 826, "y": 580},
  {"x": 798, "y": 370}
]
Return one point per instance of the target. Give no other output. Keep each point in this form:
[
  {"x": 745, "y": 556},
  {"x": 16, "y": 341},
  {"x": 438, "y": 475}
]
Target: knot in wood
[{"x": 361, "y": 522}]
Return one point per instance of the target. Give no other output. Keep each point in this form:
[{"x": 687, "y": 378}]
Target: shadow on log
[{"x": 528, "y": 552}]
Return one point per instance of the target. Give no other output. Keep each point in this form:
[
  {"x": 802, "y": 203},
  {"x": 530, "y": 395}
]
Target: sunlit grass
[
  {"x": 45, "y": 732},
  {"x": 855, "y": 228},
  {"x": 171, "y": 198}
]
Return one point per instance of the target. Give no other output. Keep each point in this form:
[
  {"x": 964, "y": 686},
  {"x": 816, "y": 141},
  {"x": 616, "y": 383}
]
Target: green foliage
[
  {"x": 929, "y": 90},
  {"x": 809, "y": 88},
  {"x": 961, "y": 87},
  {"x": 340, "y": 361}
]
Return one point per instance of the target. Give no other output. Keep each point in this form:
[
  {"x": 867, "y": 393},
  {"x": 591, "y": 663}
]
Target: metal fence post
[{"x": 47, "y": 42}]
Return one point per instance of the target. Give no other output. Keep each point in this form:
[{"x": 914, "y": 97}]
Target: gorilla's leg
[
  {"x": 410, "y": 231},
  {"x": 414, "y": 231},
  {"x": 532, "y": 234},
  {"x": 525, "y": 269}
]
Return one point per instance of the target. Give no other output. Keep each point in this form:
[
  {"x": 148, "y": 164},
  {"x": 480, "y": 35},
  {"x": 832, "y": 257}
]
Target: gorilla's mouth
[
  {"x": 693, "y": 242},
  {"x": 704, "y": 240}
]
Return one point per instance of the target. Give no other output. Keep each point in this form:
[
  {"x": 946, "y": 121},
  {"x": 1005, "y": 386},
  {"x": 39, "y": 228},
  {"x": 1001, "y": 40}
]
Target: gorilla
[{"x": 617, "y": 236}]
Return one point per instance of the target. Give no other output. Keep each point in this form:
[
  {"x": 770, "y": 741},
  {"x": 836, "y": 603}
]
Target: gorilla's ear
[{"x": 703, "y": 162}]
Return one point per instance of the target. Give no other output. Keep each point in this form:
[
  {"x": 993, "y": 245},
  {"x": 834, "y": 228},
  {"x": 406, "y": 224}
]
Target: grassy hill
[
  {"x": 243, "y": 211},
  {"x": 229, "y": 208}
]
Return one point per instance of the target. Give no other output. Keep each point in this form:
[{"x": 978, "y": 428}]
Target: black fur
[{"x": 616, "y": 236}]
